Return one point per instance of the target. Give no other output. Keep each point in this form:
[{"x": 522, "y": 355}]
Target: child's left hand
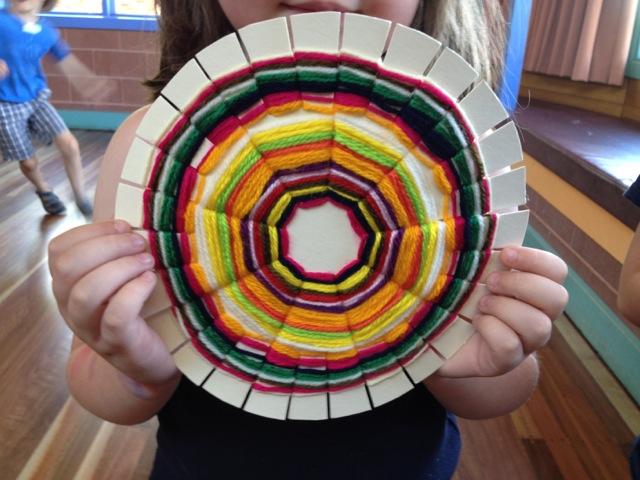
[{"x": 515, "y": 320}]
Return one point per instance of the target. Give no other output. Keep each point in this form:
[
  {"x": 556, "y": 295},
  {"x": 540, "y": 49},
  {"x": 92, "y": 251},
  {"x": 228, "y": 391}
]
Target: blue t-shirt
[
  {"x": 22, "y": 48},
  {"x": 201, "y": 437}
]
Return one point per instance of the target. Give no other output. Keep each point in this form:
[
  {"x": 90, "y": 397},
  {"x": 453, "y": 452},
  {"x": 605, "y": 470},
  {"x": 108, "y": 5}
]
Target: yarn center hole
[{"x": 323, "y": 238}]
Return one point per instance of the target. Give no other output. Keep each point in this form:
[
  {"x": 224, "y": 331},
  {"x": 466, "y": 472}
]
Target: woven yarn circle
[{"x": 317, "y": 221}]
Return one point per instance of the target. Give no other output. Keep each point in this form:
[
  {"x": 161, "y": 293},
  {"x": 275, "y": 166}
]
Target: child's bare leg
[
  {"x": 70, "y": 150},
  {"x": 50, "y": 201},
  {"x": 31, "y": 170}
]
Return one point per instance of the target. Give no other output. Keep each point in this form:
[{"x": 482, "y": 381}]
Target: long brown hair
[
  {"x": 474, "y": 28},
  {"x": 186, "y": 27}
]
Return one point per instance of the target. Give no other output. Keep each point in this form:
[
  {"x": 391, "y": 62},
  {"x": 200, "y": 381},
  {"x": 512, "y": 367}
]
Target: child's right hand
[
  {"x": 4, "y": 69},
  {"x": 102, "y": 276}
]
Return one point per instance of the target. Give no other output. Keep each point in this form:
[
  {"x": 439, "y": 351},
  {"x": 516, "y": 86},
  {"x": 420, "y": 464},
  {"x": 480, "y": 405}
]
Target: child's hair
[
  {"x": 474, "y": 28},
  {"x": 49, "y": 5}
]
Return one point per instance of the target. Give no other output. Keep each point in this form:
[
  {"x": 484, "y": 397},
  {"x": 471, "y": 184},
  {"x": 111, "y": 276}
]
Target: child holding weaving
[
  {"x": 25, "y": 112},
  {"x": 120, "y": 370}
]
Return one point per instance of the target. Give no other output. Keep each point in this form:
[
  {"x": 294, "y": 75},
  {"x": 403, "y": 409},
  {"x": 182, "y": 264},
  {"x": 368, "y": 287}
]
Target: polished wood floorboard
[{"x": 579, "y": 424}]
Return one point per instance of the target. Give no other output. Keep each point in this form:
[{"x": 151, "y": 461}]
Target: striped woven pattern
[{"x": 289, "y": 134}]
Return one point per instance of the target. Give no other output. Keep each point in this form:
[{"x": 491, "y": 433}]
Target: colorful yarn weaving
[{"x": 318, "y": 220}]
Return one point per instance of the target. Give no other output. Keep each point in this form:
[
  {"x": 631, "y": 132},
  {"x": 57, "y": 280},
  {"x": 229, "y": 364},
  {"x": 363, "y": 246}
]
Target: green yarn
[
  {"x": 246, "y": 362},
  {"x": 465, "y": 168},
  {"x": 214, "y": 342},
  {"x": 364, "y": 149},
  {"x": 311, "y": 75},
  {"x": 250, "y": 160},
  {"x": 296, "y": 140},
  {"x": 387, "y": 92},
  {"x": 169, "y": 250},
  {"x": 180, "y": 290}
]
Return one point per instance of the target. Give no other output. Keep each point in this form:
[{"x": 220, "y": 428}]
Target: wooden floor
[{"x": 579, "y": 423}]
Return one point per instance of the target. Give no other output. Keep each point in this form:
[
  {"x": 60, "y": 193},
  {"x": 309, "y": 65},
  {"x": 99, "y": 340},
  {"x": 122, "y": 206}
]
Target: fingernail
[
  {"x": 145, "y": 259},
  {"x": 492, "y": 280},
  {"x": 137, "y": 240},
  {"x": 120, "y": 226},
  {"x": 510, "y": 255},
  {"x": 148, "y": 276}
]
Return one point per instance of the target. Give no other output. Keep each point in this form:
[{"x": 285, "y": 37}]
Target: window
[
  {"x": 120, "y": 7},
  {"x": 135, "y": 7},
  {"x": 77, "y": 6},
  {"x": 633, "y": 65},
  {"x": 106, "y": 14}
]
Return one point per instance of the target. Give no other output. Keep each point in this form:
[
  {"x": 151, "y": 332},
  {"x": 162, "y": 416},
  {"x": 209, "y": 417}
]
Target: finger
[
  {"x": 68, "y": 267},
  {"x": 126, "y": 340},
  {"x": 536, "y": 261},
  {"x": 94, "y": 290},
  {"x": 69, "y": 239},
  {"x": 502, "y": 349},
  {"x": 531, "y": 325},
  {"x": 536, "y": 290}
]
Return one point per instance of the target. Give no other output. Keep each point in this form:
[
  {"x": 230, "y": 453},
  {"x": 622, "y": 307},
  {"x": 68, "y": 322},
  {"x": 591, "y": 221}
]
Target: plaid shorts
[{"x": 22, "y": 123}]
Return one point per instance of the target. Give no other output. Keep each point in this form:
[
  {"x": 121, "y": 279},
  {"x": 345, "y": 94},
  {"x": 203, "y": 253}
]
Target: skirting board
[
  {"x": 604, "y": 330},
  {"x": 93, "y": 120}
]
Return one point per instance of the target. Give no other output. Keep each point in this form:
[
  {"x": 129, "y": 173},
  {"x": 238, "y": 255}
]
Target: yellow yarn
[
  {"x": 299, "y": 159},
  {"x": 411, "y": 248},
  {"x": 371, "y": 143},
  {"x": 249, "y": 195},
  {"x": 388, "y": 191},
  {"x": 285, "y": 132},
  {"x": 285, "y": 108},
  {"x": 235, "y": 228},
  {"x": 365, "y": 168},
  {"x": 201, "y": 276},
  {"x": 218, "y": 151},
  {"x": 383, "y": 320},
  {"x": 315, "y": 320},
  {"x": 227, "y": 176},
  {"x": 210, "y": 220}
]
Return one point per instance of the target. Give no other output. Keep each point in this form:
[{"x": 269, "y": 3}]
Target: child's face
[
  {"x": 244, "y": 12},
  {"x": 26, "y": 6}
]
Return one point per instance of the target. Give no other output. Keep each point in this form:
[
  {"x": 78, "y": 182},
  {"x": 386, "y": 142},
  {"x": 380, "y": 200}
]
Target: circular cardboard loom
[{"x": 322, "y": 214}]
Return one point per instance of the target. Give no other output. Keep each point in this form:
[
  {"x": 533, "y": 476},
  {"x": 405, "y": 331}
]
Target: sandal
[
  {"x": 51, "y": 203},
  {"x": 85, "y": 207}
]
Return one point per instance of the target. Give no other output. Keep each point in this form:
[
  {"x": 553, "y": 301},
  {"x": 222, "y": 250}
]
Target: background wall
[
  {"x": 620, "y": 102},
  {"x": 126, "y": 58}
]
